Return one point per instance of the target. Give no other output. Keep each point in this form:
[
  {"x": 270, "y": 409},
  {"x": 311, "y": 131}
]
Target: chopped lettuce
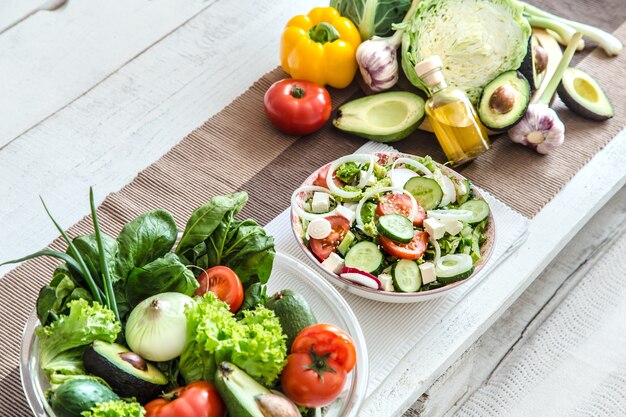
[
  {"x": 61, "y": 343},
  {"x": 347, "y": 172},
  {"x": 116, "y": 408},
  {"x": 256, "y": 343}
]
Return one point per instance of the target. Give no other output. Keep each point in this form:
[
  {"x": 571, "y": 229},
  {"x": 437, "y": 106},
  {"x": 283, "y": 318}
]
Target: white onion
[
  {"x": 319, "y": 228},
  {"x": 370, "y": 193},
  {"x": 435, "y": 244},
  {"x": 452, "y": 214},
  {"x": 157, "y": 328},
  {"x": 360, "y": 158},
  {"x": 412, "y": 162},
  {"x": 304, "y": 214},
  {"x": 449, "y": 192}
]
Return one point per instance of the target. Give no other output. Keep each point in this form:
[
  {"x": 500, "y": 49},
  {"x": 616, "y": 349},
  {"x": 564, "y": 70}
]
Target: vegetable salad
[{"x": 392, "y": 224}]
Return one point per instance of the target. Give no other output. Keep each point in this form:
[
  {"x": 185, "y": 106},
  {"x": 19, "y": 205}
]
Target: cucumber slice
[
  {"x": 479, "y": 209},
  {"x": 364, "y": 256},
  {"x": 345, "y": 243},
  {"x": 396, "y": 227},
  {"x": 454, "y": 267},
  {"x": 426, "y": 191},
  {"x": 463, "y": 190},
  {"x": 406, "y": 276}
]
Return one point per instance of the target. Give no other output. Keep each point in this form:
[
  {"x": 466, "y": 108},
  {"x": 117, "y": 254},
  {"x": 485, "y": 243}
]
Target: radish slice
[
  {"x": 412, "y": 162},
  {"x": 304, "y": 214},
  {"x": 400, "y": 176},
  {"x": 370, "y": 193},
  {"x": 361, "y": 277},
  {"x": 319, "y": 228},
  {"x": 360, "y": 158},
  {"x": 452, "y": 214}
]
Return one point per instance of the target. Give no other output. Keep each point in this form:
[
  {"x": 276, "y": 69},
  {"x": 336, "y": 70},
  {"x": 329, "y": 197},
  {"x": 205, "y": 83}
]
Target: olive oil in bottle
[{"x": 452, "y": 117}]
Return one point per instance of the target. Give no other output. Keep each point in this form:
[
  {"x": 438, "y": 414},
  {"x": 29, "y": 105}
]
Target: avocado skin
[
  {"x": 293, "y": 312},
  {"x": 238, "y": 390},
  {"x": 569, "y": 98},
  {"x": 528, "y": 67},
  {"x": 102, "y": 359}
]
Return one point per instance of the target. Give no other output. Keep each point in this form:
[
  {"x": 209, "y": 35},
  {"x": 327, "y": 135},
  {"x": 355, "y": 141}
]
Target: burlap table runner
[{"x": 239, "y": 149}]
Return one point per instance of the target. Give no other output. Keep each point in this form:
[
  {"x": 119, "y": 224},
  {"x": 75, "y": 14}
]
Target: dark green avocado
[
  {"x": 128, "y": 374},
  {"x": 535, "y": 63},
  {"x": 238, "y": 391},
  {"x": 584, "y": 96},
  {"x": 384, "y": 117},
  {"x": 504, "y": 101},
  {"x": 293, "y": 312}
]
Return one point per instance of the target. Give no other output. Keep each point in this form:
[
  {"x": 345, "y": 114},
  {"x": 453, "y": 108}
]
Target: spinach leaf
[
  {"x": 255, "y": 295},
  {"x": 87, "y": 246},
  {"x": 146, "y": 238},
  {"x": 207, "y": 218},
  {"x": 53, "y": 298},
  {"x": 166, "y": 274}
]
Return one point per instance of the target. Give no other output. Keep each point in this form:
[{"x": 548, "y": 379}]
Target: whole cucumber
[{"x": 78, "y": 395}]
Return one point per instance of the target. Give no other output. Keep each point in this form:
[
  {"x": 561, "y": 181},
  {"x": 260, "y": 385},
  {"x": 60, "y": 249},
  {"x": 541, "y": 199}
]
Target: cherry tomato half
[
  {"x": 322, "y": 248},
  {"x": 400, "y": 204},
  {"x": 412, "y": 250},
  {"x": 327, "y": 339},
  {"x": 222, "y": 281},
  {"x": 198, "y": 399},
  {"x": 297, "y": 107},
  {"x": 312, "y": 381}
]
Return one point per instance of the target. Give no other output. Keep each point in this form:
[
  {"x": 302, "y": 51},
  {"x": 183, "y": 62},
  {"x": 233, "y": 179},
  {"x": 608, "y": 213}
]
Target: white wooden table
[{"x": 93, "y": 93}]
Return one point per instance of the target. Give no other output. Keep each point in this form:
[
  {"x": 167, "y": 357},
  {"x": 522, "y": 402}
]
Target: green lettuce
[
  {"x": 347, "y": 172},
  {"x": 476, "y": 40},
  {"x": 116, "y": 408},
  {"x": 62, "y": 343},
  {"x": 373, "y": 17},
  {"x": 256, "y": 343}
]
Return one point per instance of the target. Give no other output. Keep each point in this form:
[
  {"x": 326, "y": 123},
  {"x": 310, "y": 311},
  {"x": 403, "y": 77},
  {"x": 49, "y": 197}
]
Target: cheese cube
[
  {"x": 351, "y": 205},
  {"x": 427, "y": 269},
  {"x": 453, "y": 227},
  {"x": 333, "y": 263},
  {"x": 434, "y": 228},
  {"x": 386, "y": 282},
  {"x": 320, "y": 203},
  {"x": 347, "y": 213},
  {"x": 370, "y": 181}
]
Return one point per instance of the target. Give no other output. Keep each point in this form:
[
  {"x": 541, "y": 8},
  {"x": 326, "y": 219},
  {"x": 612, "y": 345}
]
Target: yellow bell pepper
[{"x": 320, "y": 47}]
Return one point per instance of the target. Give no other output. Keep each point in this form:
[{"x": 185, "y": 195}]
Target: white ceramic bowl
[
  {"x": 386, "y": 296},
  {"x": 327, "y": 304}
]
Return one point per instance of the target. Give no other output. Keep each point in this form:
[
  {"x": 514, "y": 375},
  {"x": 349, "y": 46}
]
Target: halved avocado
[
  {"x": 504, "y": 101},
  {"x": 384, "y": 117},
  {"x": 584, "y": 96},
  {"x": 128, "y": 374},
  {"x": 238, "y": 391},
  {"x": 535, "y": 63}
]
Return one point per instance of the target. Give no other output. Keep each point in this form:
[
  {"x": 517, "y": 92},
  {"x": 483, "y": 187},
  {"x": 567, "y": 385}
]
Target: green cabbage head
[
  {"x": 476, "y": 40},
  {"x": 373, "y": 17}
]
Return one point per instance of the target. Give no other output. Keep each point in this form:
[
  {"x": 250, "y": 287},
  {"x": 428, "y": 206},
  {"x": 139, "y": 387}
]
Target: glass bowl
[
  {"x": 327, "y": 304},
  {"x": 386, "y": 296}
]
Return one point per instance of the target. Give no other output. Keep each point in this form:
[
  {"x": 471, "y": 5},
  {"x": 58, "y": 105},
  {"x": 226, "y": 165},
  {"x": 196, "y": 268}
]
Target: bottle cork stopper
[{"x": 429, "y": 70}]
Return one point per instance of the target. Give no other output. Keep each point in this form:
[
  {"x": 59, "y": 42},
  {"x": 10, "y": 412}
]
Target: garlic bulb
[
  {"x": 540, "y": 129},
  {"x": 378, "y": 64}
]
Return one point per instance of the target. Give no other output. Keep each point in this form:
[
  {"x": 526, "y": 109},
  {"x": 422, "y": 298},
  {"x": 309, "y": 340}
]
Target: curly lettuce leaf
[
  {"x": 117, "y": 408},
  {"x": 256, "y": 343},
  {"x": 62, "y": 342},
  {"x": 476, "y": 40}
]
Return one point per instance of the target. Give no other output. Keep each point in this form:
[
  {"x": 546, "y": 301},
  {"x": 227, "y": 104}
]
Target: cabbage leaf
[
  {"x": 476, "y": 40},
  {"x": 373, "y": 17}
]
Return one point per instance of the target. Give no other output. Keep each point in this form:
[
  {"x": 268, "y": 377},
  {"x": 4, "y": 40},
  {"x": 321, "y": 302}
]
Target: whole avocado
[
  {"x": 293, "y": 312},
  {"x": 78, "y": 395}
]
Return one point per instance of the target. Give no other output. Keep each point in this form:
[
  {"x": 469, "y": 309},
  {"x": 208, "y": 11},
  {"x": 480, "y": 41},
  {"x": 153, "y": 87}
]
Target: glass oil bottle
[{"x": 452, "y": 117}]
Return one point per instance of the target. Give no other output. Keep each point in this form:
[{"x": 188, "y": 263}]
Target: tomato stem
[
  {"x": 297, "y": 92},
  {"x": 319, "y": 364}
]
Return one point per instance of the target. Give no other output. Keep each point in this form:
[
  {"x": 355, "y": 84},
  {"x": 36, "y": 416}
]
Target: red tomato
[
  {"x": 311, "y": 380},
  {"x": 327, "y": 339},
  {"x": 297, "y": 107},
  {"x": 400, "y": 204},
  {"x": 198, "y": 399},
  {"x": 222, "y": 281},
  {"x": 323, "y": 174},
  {"x": 322, "y": 248},
  {"x": 412, "y": 250}
]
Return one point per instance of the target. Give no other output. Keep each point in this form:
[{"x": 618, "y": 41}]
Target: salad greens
[
  {"x": 255, "y": 343},
  {"x": 476, "y": 39},
  {"x": 115, "y": 408},
  {"x": 62, "y": 343},
  {"x": 373, "y": 17}
]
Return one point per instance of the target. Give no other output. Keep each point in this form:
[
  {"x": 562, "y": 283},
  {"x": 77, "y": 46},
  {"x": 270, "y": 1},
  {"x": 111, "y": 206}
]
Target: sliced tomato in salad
[
  {"x": 322, "y": 248},
  {"x": 322, "y": 178},
  {"x": 412, "y": 250},
  {"x": 400, "y": 204}
]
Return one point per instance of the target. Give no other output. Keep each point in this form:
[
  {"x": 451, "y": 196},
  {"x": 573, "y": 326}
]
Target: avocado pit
[
  {"x": 503, "y": 99},
  {"x": 135, "y": 360}
]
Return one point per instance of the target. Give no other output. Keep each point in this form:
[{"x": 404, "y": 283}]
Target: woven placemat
[{"x": 239, "y": 149}]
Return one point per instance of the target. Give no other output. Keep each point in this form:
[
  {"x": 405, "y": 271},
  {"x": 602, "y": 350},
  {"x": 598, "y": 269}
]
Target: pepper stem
[
  {"x": 547, "y": 94},
  {"x": 297, "y": 92},
  {"x": 323, "y": 32}
]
